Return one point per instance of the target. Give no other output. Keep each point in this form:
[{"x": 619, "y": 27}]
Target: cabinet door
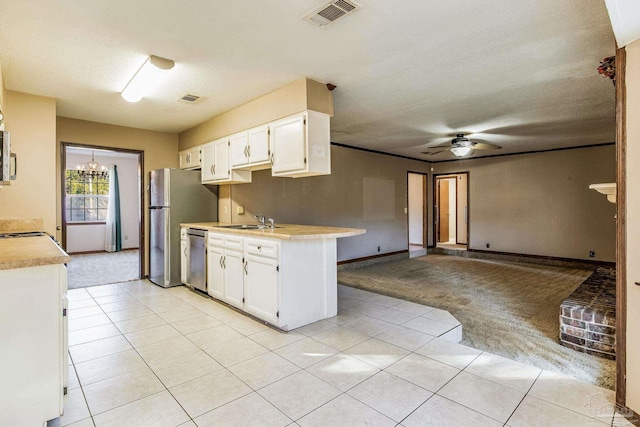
[
  {"x": 195, "y": 157},
  {"x": 289, "y": 145},
  {"x": 184, "y": 159},
  {"x": 184, "y": 261},
  {"x": 208, "y": 159},
  {"x": 221, "y": 169},
  {"x": 258, "y": 142},
  {"x": 261, "y": 288},
  {"x": 234, "y": 278},
  {"x": 239, "y": 149},
  {"x": 215, "y": 271}
]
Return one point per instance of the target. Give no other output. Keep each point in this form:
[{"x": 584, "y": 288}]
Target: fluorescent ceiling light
[
  {"x": 147, "y": 78},
  {"x": 461, "y": 151}
]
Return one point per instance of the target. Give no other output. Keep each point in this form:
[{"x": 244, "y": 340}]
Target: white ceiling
[{"x": 519, "y": 73}]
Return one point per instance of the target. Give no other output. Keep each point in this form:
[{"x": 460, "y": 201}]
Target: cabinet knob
[{"x": 259, "y": 248}]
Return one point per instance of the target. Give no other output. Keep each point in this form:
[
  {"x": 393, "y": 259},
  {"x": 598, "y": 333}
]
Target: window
[{"x": 87, "y": 198}]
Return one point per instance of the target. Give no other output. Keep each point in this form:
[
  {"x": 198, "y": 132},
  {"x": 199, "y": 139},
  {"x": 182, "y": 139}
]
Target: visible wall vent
[
  {"x": 189, "y": 98},
  {"x": 331, "y": 12}
]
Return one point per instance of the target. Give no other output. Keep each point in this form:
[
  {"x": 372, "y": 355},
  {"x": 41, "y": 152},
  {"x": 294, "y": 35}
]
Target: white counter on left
[{"x": 30, "y": 252}]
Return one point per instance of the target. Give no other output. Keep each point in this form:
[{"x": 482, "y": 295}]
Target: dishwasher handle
[{"x": 196, "y": 232}]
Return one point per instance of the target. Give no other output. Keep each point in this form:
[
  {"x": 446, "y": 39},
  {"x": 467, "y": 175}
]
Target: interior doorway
[
  {"x": 417, "y": 213},
  {"x": 451, "y": 210},
  {"x": 89, "y": 190}
]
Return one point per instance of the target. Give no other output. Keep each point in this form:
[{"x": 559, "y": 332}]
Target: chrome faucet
[{"x": 260, "y": 218}]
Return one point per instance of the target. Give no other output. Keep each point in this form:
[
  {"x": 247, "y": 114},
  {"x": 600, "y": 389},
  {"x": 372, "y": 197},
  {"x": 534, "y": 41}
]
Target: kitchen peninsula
[{"x": 285, "y": 275}]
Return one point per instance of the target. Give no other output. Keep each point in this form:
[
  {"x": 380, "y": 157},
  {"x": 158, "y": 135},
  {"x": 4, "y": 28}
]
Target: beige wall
[
  {"x": 1, "y": 90},
  {"x": 303, "y": 94},
  {"x": 633, "y": 226},
  {"x": 31, "y": 120},
  {"x": 160, "y": 148},
  {"x": 540, "y": 204},
  {"x": 364, "y": 190}
]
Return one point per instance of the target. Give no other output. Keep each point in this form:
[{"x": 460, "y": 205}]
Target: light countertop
[
  {"x": 282, "y": 231},
  {"x": 30, "y": 252}
]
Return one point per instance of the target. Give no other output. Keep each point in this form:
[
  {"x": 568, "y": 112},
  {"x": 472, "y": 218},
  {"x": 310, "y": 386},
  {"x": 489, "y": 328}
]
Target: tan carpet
[
  {"x": 102, "y": 268},
  {"x": 510, "y": 309}
]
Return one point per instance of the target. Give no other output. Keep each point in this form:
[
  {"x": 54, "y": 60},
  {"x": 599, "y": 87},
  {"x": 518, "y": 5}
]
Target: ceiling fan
[{"x": 462, "y": 146}]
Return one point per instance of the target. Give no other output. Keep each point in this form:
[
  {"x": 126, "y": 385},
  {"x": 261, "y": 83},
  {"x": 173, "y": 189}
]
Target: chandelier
[{"x": 92, "y": 169}]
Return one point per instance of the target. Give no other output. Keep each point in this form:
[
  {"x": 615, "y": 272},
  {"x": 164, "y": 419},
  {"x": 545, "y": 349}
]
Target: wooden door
[{"x": 443, "y": 216}]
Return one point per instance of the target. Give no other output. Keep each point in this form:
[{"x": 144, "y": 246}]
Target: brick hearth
[{"x": 588, "y": 316}]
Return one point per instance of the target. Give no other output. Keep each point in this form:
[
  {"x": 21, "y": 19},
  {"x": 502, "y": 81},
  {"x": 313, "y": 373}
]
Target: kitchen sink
[{"x": 248, "y": 226}]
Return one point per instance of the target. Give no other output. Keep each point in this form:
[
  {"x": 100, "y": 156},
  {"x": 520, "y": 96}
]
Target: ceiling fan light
[
  {"x": 461, "y": 151},
  {"x": 147, "y": 78}
]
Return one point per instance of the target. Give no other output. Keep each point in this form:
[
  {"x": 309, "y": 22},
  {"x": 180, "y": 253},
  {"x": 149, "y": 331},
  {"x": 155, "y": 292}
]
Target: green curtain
[{"x": 113, "y": 238}]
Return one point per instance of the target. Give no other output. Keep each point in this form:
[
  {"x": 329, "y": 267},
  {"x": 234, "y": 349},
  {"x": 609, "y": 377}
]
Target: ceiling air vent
[
  {"x": 188, "y": 98},
  {"x": 331, "y": 12}
]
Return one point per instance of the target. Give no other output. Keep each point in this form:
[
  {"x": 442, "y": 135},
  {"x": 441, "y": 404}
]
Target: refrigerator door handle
[{"x": 167, "y": 245}]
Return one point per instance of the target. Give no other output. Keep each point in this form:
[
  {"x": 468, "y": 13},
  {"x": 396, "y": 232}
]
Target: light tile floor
[{"x": 142, "y": 355}]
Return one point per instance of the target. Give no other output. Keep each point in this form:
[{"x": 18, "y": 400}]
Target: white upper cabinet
[
  {"x": 300, "y": 145},
  {"x": 296, "y": 146},
  {"x": 216, "y": 165},
  {"x": 221, "y": 166},
  {"x": 191, "y": 158},
  {"x": 208, "y": 160},
  {"x": 239, "y": 149},
  {"x": 250, "y": 149},
  {"x": 259, "y": 150}
]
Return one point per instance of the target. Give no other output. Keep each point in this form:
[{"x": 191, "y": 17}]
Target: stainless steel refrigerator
[{"x": 175, "y": 196}]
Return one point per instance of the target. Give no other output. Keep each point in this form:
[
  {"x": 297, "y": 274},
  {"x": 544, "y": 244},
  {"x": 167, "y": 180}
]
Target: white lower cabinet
[
  {"x": 225, "y": 268},
  {"x": 215, "y": 271},
  {"x": 233, "y": 278},
  {"x": 262, "y": 287},
  {"x": 287, "y": 283},
  {"x": 33, "y": 332}
]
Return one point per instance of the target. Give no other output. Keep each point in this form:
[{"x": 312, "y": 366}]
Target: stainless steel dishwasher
[{"x": 197, "y": 259}]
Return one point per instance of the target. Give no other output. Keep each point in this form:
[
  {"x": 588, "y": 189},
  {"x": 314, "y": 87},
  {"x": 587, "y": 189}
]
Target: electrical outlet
[
  {"x": 488, "y": 245},
  {"x": 240, "y": 210},
  {"x": 126, "y": 237},
  {"x": 378, "y": 248},
  {"x": 226, "y": 209},
  {"x": 592, "y": 254}
]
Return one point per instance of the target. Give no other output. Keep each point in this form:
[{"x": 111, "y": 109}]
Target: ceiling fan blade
[
  {"x": 435, "y": 152},
  {"x": 485, "y": 146},
  {"x": 438, "y": 142}
]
